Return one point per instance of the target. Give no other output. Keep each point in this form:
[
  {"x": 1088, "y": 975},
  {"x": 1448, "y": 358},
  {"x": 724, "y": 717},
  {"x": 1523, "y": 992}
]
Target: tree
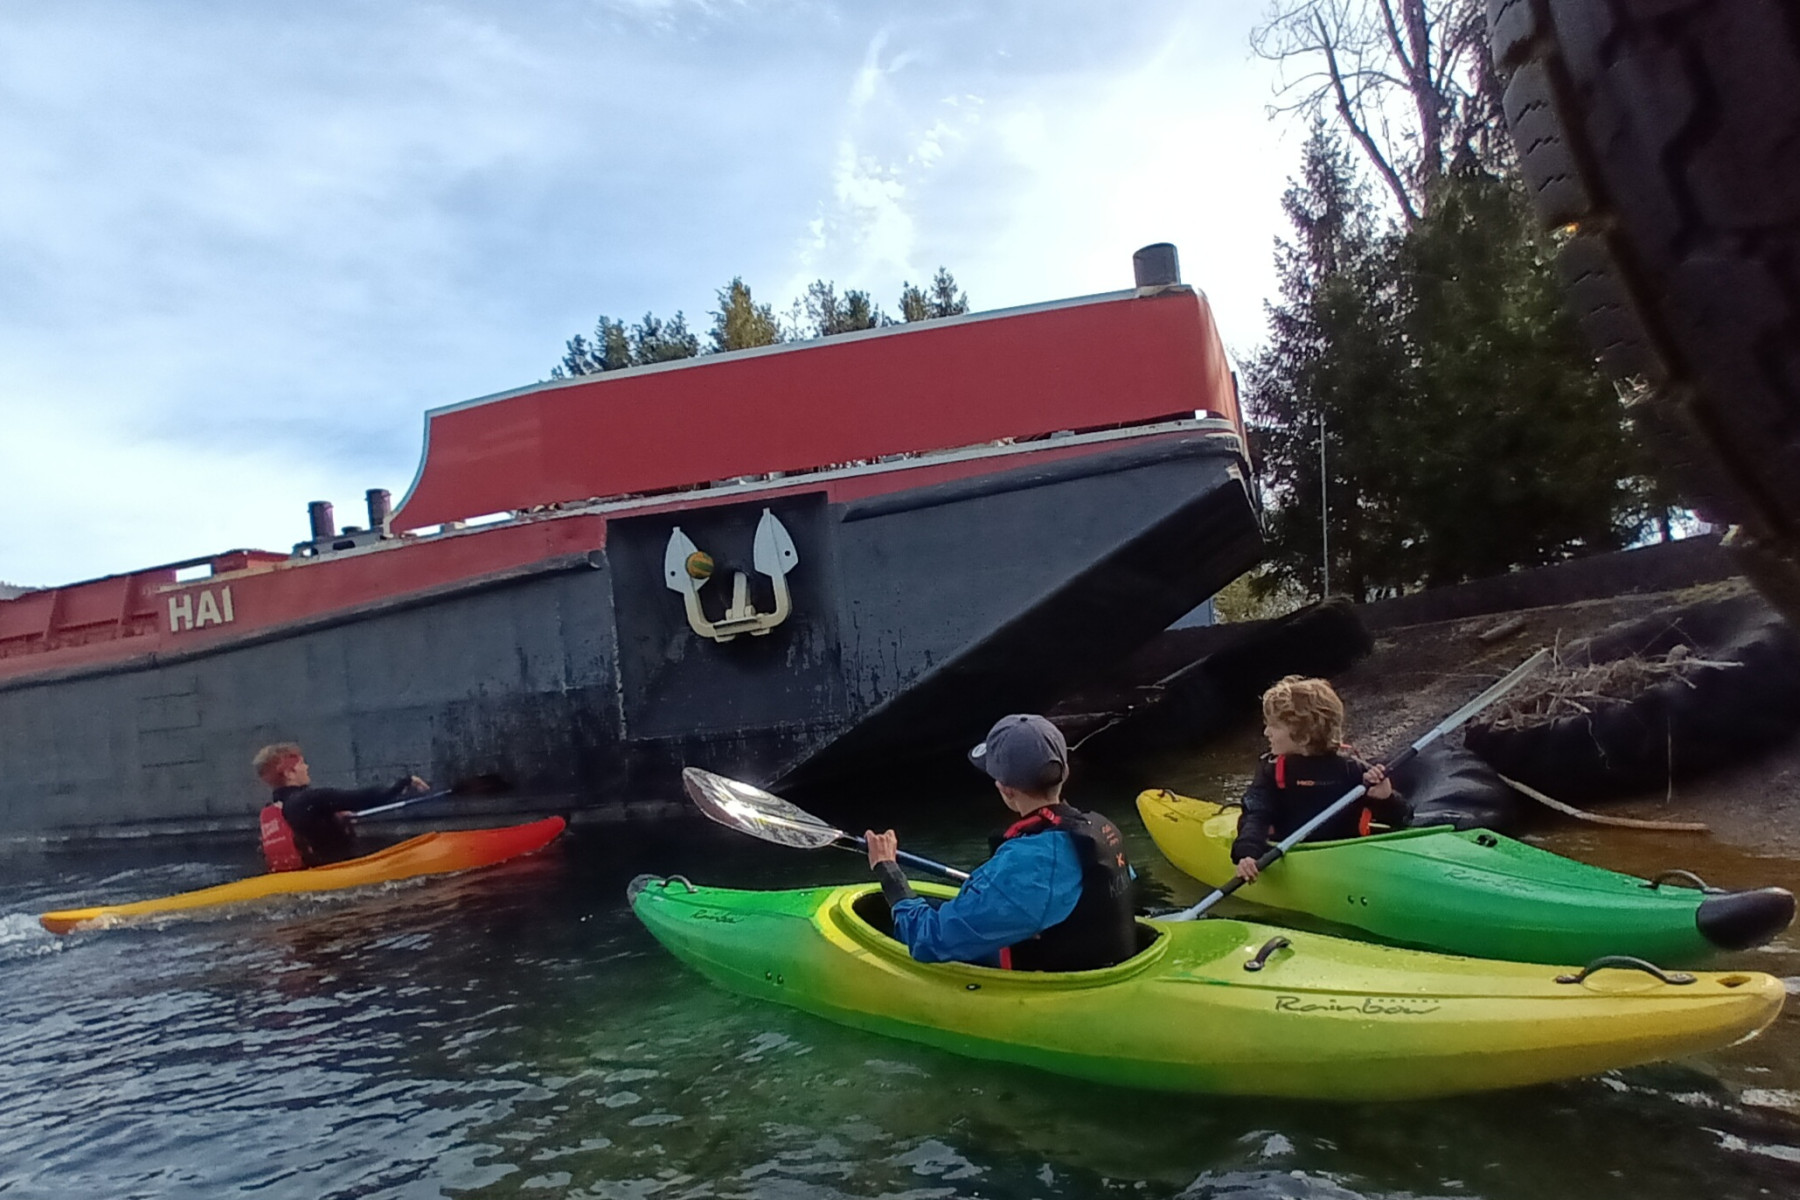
[
  {"x": 740, "y": 322},
  {"x": 1465, "y": 430},
  {"x": 1410, "y": 81},
  {"x": 1321, "y": 393},
  {"x": 827, "y": 313},
  {"x": 1525, "y": 455},
  {"x": 942, "y": 299},
  {"x": 654, "y": 341},
  {"x": 614, "y": 347},
  {"x": 609, "y": 351}
]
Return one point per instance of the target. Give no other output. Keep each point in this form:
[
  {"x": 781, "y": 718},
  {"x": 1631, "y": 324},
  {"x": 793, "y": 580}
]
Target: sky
[{"x": 245, "y": 247}]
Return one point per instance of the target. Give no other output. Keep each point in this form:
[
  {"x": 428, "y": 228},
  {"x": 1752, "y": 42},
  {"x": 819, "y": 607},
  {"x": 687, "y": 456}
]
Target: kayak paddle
[
  {"x": 472, "y": 785},
  {"x": 1350, "y": 797},
  {"x": 748, "y": 809}
]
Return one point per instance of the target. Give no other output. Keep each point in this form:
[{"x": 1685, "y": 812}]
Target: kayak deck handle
[
  {"x": 683, "y": 880},
  {"x": 1626, "y": 962},
  {"x": 1688, "y": 877},
  {"x": 1262, "y": 956}
]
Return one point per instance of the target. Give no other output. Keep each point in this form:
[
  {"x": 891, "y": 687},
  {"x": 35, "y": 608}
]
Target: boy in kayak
[
  {"x": 1056, "y": 893},
  {"x": 307, "y": 826},
  {"x": 1305, "y": 771}
]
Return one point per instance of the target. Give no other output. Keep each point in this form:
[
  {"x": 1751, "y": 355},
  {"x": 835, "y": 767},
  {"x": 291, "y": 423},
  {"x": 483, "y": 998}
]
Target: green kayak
[
  {"x": 1473, "y": 892},
  {"x": 1210, "y": 1006}
]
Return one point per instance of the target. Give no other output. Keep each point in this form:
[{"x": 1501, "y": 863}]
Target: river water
[{"x": 514, "y": 1032}]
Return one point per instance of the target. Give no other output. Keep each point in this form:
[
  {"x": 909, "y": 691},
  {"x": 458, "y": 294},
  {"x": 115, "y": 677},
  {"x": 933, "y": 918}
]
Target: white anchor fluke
[
  {"x": 675, "y": 560},
  {"x": 775, "y": 555}
]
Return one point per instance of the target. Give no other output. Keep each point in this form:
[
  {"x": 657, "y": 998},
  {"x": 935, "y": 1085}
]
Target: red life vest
[{"x": 278, "y": 844}]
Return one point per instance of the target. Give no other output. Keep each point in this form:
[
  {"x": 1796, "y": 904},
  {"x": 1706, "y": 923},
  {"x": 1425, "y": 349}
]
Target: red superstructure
[{"x": 1018, "y": 374}]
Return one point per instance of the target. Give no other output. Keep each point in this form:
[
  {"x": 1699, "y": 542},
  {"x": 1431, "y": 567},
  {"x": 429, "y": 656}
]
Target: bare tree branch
[
  {"x": 1382, "y": 167},
  {"x": 1408, "y": 80}
]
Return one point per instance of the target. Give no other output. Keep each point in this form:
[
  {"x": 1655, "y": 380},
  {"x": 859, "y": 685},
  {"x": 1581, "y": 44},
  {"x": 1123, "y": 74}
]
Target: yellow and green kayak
[
  {"x": 1215, "y": 1006},
  {"x": 1473, "y": 892},
  {"x": 427, "y": 854}
]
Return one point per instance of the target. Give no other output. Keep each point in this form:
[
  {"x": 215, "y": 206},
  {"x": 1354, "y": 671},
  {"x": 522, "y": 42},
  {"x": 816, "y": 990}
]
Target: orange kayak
[{"x": 428, "y": 854}]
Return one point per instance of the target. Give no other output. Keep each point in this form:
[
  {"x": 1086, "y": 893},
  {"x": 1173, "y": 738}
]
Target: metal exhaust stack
[
  {"x": 380, "y": 509},
  {"x": 324, "y": 525},
  {"x": 1155, "y": 268}
]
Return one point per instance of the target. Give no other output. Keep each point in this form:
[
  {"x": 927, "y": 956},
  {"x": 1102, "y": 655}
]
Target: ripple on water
[
  {"x": 22, "y": 937},
  {"x": 1271, "y": 1185}
]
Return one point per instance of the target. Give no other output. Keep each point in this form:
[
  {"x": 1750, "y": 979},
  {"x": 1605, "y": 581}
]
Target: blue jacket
[{"x": 1029, "y": 884}]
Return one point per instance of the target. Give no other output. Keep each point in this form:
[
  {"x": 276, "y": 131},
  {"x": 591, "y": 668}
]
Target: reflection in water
[{"x": 514, "y": 1032}]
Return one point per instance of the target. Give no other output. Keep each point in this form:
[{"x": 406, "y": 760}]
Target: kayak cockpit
[{"x": 860, "y": 915}]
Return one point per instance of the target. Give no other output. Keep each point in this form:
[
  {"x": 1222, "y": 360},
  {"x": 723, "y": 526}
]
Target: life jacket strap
[{"x": 1043, "y": 817}]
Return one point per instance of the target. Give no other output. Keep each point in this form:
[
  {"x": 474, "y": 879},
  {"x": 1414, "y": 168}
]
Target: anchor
[{"x": 686, "y": 569}]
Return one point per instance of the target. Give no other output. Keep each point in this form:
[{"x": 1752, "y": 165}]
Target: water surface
[{"x": 514, "y": 1032}]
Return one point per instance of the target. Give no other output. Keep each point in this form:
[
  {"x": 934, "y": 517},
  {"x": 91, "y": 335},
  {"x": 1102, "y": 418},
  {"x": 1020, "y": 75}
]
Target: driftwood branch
[{"x": 1569, "y": 810}]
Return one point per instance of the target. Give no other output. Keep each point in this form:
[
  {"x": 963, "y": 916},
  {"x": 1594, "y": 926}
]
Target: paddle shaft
[
  {"x": 1356, "y": 793},
  {"x": 398, "y": 804},
  {"x": 912, "y": 860}
]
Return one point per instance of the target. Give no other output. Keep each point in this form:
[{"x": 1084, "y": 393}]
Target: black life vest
[
  {"x": 1101, "y": 930},
  {"x": 1332, "y": 776}
]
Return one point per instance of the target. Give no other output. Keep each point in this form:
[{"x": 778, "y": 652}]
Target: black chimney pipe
[
  {"x": 1156, "y": 266},
  {"x": 380, "y": 509},
  {"x": 324, "y": 525}
]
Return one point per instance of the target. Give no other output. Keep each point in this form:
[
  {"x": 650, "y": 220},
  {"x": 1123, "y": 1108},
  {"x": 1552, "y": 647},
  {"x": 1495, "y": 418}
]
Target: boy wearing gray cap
[{"x": 1056, "y": 893}]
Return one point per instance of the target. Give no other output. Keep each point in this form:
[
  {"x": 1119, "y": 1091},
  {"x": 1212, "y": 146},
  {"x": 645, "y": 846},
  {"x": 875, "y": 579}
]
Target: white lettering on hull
[{"x": 212, "y": 608}]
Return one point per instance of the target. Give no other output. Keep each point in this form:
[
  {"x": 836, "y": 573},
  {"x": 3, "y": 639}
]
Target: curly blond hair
[
  {"x": 1309, "y": 710},
  {"x": 271, "y": 761}
]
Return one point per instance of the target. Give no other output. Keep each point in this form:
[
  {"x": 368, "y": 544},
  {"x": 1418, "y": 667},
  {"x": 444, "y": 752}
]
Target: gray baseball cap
[{"x": 1020, "y": 750}]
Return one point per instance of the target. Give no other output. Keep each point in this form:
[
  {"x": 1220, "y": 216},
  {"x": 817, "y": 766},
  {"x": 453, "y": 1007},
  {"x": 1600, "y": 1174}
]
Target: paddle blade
[{"x": 749, "y": 809}]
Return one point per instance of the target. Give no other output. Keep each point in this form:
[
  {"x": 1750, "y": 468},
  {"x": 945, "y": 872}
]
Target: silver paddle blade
[{"x": 751, "y": 810}]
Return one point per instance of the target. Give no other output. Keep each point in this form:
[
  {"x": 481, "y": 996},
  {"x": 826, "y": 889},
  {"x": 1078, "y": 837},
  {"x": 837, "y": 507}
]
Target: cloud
[{"x": 243, "y": 249}]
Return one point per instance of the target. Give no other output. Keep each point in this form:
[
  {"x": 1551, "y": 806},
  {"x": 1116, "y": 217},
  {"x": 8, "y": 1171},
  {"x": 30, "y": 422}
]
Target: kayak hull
[
  {"x": 428, "y": 854},
  {"x": 1322, "y": 1018},
  {"x": 1472, "y": 892}
]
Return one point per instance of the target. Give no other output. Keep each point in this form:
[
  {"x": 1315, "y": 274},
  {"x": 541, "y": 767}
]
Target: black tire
[
  {"x": 1666, "y": 133},
  {"x": 1717, "y": 716}
]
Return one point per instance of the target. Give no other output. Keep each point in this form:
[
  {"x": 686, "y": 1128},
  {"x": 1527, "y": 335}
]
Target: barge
[{"x": 773, "y": 563}]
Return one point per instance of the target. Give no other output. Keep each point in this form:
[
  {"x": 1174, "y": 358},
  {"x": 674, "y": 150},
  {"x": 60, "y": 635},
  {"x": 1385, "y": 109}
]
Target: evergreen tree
[
  {"x": 1465, "y": 430},
  {"x": 654, "y": 341},
  {"x": 941, "y": 299},
  {"x": 1321, "y": 395},
  {"x": 612, "y": 345},
  {"x": 1525, "y": 456},
  {"x": 609, "y": 351},
  {"x": 615, "y": 347},
  {"x": 740, "y": 322},
  {"x": 827, "y": 313}
]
